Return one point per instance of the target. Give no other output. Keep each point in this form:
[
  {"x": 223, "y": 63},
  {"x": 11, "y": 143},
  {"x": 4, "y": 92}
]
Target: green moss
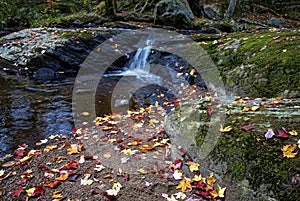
[
  {"x": 250, "y": 156},
  {"x": 275, "y": 57}
]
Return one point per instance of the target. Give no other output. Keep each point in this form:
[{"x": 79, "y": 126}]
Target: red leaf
[
  {"x": 200, "y": 185},
  {"x": 210, "y": 111},
  {"x": 39, "y": 190},
  {"x": 88, "y": 157},
  {"x": 204, "y": 194},
  {"x": 17, "y": 192},
  {"x": 282, "y": 133},
  {"x": 109, "y": 197},
  {"x": 248, "y": 127},
  {"x": 52, "y": 184}
]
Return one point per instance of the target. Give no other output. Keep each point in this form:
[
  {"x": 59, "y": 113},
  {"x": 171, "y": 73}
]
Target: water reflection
[{"x": 32, "y": 111}]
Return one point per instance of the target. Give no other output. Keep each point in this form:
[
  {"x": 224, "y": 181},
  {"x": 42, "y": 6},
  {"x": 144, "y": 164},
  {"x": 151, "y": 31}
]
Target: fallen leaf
[
  {"x": 8, "y": 164},
  {"x": 288, "y": 151},
  {"x": 248, "y": 127},
  {"x": 293, "y": 132},
  {"x": 282, "y": 133},
  {"x": 270, "y": 133},
  {"x": 184, "y": 185},
  {"x": 211, "y": 179},
  {"x": 226, "y": 129},
  {"x": 52, "y": 184},
  {"x": 50, "y": 148},
  {"x": 57, "y": 195},
  {"x": 177, "y": 174},
  {"x": 221, "y": 191},
  {"x": 17, "y": 192},
  {"x": 35, "y": 191},
  {"x": 193, "y": 166},
  {"x": 63, "y": 176}
]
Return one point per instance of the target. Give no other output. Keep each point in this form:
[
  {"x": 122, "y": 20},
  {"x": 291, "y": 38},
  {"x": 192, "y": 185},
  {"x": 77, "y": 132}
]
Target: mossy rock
[
  {"x": 258, "y": 64},
  {"x": 251, "y": 167}
]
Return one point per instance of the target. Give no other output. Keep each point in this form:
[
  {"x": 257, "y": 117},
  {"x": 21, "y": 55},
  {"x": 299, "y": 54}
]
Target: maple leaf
[
  {"x": 210, "y": 111},
  {"x": 75, "y": 148},
  {"x": 63, "y": 176},
  {"x": 270, "y": 133},
  {"x": 17, "y": 192},
  {"x": 293, "y": 132},
  {"x": 282, "y": 133},
  {"x": 57, "y": 195},
  {"x": 184, "y": 185},
  {"x": 194, "y": 166},
  {"x": 52, "y": 184},
  {"x": 211, "y": 179},
  {"x": 221, "y": 191},
  {"x": 226, "y": 129},
  {"x": 35, "y": 191},
  {"x": 177, "y": 174},
  {"x": 50, "y": 148},
  {"x": 99, "y": 168},
  {"x": 288, "y": 151},
  {"x": 248, "y": 127}
]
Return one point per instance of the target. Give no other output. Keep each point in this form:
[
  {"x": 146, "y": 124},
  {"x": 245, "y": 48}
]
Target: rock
[
  {"x": 47, "y": 74},
  {"x": 211, "y": 12},
  {"x": 276, "y": 22},
  {"x": 149, "y": 95},
  {"x": 176, "y": 13}
]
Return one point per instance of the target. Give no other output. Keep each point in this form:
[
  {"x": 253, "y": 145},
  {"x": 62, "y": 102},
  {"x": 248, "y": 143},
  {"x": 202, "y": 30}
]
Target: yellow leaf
[
  {"x": 194, "y": 167},
  {"x": 221, "y": 191},
  {"x": 246, "y": 109},
  {"x": 199, "y": 178},
  {"x": 142, "y": 171},
  {"x": 226, "y": 129},
  {"x": 184, "y": 185},
  {"x": 239, "y": 101},
  {"x": 214, "y": 193},
  {"x": 62, "y": 177},
  {"x": 30, "y": 192},
  {"x": 288, "y": 151},
  {"x": 293, "y": 132},
  {"x": 26, "y": 158},
  {"x": 211, "y": 179},
  {"x": 57, "y": 195},
  {"x": 50, "y": 148},
  {"x": 75, "y": 149},
  {"x": 254, "y": 108}
]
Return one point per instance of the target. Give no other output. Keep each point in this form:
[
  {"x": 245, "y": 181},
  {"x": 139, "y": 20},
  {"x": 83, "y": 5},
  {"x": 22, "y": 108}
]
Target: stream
[{"x": 31, "y": 111}]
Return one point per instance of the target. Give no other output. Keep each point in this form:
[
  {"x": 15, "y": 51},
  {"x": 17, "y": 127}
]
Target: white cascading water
[{"x": 139, "y": 65}]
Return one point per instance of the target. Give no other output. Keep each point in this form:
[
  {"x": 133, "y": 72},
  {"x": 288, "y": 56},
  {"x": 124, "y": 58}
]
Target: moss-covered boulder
[
  {"x": 235, "y": 148},
  {"x": 259, "y": 64},
  {"x": 175, "y": 13}
]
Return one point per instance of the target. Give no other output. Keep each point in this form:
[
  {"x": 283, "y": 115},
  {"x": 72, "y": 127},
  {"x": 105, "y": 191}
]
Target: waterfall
[{"x": 139, "y": 65}]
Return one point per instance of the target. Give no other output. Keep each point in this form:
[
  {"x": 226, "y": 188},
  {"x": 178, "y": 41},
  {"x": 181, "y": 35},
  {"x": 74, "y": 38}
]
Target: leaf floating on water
[{"x": 270, "y": 133}]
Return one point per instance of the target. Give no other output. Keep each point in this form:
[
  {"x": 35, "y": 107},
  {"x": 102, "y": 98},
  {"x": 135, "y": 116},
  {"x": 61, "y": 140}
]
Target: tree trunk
[
  {"x": 109, "y": 7},
  {"x": 115, "y": 5},
  {"x": 230, "y": 9}
]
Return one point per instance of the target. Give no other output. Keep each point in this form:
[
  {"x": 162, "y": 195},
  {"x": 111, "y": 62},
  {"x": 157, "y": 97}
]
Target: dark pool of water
[{"x": 31, "y": 111}]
